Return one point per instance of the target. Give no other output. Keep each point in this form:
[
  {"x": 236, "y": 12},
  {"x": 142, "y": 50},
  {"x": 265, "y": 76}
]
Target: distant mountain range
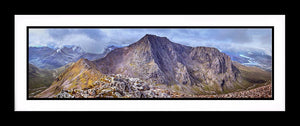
[
  {"x": 49, "y": 58},
  {"x": 251, "y": 57},
  {"x": 156, "y": 60}
]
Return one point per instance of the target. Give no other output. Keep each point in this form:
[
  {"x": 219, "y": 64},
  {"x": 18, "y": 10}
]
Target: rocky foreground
[
  {"x": 118, "y": 86},
  {"x": 260, "y": 92}
]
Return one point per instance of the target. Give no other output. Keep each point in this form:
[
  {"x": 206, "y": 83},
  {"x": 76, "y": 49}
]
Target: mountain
[
  {"x": 162, "y": 61},
  {"x": 251, "y": 57},
  {"x": 83, "y": 80},
  {"x": 110, "y": 48},
  {"x": 81, "y": 74},
  {"x": 158, "y": 63},
  {"x": 40, "y": 79},
  {"x": 48, "y": 58},
  {"x": 36, "y": 55}
]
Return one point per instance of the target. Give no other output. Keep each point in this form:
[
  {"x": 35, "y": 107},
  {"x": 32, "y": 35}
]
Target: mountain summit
[{"x": 161, "y": 61}]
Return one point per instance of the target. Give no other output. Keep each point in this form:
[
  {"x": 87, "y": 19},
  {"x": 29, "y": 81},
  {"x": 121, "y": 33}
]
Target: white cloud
[
  {"x": 42, "y": 37},
  {"x": 39, "y": 37},
  {"x": 96, "y": 40},
  {"x": 76, "y": 39}
]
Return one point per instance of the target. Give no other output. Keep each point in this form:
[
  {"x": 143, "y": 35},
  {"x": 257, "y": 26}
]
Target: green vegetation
[
  {"x": 211, "y": 88},
  {"x": 39, "y": 79},
  {"x": 197, "y": 90},
  {"x": 176, "y": 87},
  {"x": 252, "y": 77},
  {"x": 253, "y": 74}
]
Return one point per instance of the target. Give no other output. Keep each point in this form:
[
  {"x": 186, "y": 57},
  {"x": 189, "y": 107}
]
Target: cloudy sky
[{"x": 96, "y": 40}]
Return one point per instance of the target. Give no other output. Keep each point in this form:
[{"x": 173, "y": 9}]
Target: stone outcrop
[
  {"x": 116, "y": 86},
  {"x": 260, "y": 92}
]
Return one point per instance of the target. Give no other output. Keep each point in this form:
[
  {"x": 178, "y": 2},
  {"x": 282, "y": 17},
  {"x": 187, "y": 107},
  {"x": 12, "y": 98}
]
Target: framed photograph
[{"x": 149, "y": 62}]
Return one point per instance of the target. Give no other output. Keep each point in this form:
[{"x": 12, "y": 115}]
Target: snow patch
[
  {"x": 58, "y": 50},
  {"x": 241, "y": 55},
  {"x": 74, "y": 48}
]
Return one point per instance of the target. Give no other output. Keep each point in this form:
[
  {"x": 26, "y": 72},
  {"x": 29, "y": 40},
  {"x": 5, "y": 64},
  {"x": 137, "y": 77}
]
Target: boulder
[
  {"x": 104, "y": 91},
  {"x": 118, "y": 94},
  {"x": 85, "y": 92},
  {"x": 85, "y": 95},
  {"x": 137, "y": 84},
  {"x": 66, "y": 95},
  {"x": 143, "y": 95},
  {"x": 163, "y": 95},
  {"x": 60, "y": 95},
  {"x": 151, "y": 94},
  {"x": 140, "y": 88},
  {"x": 146, "y": 87},
  {"x": 96, "y": 83},
  {"x": 109, "y": 97},
  {"x": 137, "y": 94}
]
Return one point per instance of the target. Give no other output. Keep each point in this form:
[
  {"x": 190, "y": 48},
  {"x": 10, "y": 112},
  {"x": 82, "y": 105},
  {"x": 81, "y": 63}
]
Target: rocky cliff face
[
  {"x": 159, "y": 60},
  {"x": 212, "y": 67}
]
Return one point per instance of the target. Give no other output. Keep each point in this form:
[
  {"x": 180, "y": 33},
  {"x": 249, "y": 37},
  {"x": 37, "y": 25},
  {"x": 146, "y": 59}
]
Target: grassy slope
[
  {"x": 253, "y": 74},
  {"x": 252, "y": 77},
  {"x": 40, "y": 79},
  {"x": 76, "y": 76}
]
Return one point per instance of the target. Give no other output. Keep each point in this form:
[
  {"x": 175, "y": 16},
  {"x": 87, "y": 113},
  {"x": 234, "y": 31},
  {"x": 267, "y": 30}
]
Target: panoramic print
[{"x": 149, "y": 63}]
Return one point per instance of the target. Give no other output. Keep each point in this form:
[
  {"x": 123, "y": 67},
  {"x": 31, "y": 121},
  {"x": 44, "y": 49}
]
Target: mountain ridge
[
  {"x": 158, "y": 61},
  {"x": 80, "y": 75},
  {"x": 48, "y": 58},
  {"x": 167, "y": 58}
]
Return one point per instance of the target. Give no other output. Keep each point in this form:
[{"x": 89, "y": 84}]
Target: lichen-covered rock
[{"x": 118, "y": 94}]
